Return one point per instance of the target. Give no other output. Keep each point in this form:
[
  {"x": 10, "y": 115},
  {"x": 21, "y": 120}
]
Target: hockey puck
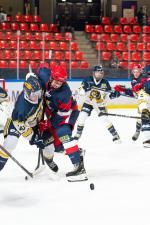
[
  {"x": 92, "y": 187},
  {"x": 26, "y": 177}
]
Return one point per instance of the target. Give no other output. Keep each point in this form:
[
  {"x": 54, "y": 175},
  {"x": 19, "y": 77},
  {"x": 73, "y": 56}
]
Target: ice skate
[
  {"x": 116, "y": 139},
  {"x": 146, "y": 144},
  {"x": 52, "y": 165},
  {"x": 77, "y": 136},
  {"x": 78, "y": 174},
  {"x": 136, "y": 135}
]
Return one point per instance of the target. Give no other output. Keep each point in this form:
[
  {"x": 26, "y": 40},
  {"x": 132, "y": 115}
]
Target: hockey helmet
[
  {"x": 98, "y": 68},
  {"x": 137, "y": 68},
  {"x": 59, "y": 73},
  {"x": 32, "y": 90},
  {"x": 98, "y": 72}
]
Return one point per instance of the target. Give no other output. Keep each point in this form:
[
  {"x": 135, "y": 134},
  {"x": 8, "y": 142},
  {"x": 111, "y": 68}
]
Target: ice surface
[{"x": 121, "y": 174}]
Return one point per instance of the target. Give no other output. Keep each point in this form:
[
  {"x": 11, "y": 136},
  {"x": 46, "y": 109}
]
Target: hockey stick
[
  {"x": 118, "y": 115},
  {"x": 39, "y": 168},
  {"x": 16, "y": 161}
]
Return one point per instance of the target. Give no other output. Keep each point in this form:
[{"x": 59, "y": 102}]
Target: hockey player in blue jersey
[
  {"x": 96, "y": 90},
  {"x": 62, "y": 111},
  {"x": 26, "y": 116}
]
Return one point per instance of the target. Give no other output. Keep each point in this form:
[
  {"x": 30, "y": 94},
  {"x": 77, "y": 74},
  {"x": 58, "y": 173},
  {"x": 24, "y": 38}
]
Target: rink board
[{"x": 14, "y": 87}]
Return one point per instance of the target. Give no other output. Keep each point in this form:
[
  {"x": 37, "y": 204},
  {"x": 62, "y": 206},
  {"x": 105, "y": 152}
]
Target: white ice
[{"x": 121, "y": 174}]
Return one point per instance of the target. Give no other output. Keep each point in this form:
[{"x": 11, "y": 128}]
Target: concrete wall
[{"x": 17, "y": 6}]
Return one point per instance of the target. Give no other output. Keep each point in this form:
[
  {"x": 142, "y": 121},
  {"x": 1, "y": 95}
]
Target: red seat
[
  {"x": 148, "y": 46},
  {"x": 99, "y": 29},
  {"x": 123, "y": 20},
  {"x": 78, "y": 55},
  {"x": 12, "y": 64},
  {"x": 58, "y": 55},
  {"x": 74, "y": 46},
  {"x": 132, "y": 20},
  {"x": 1, "y": 55},
  {"x": 131, "y": 46},
  {"x": 23, "y": 45},
  {"x": 52, "y": 64},
  {"x": 28, "y": 36},
  {"x": 13, "y": 44},
  {"x": 141, "y": 46},
  {"x": 3, "y": 44},
  {"x": 146, "y": 56},
  {"x": 43, "y": 45},
  {"x": 118, "y": 29},
  {"x": 47, "y": 54},
  {"x": 58, "y": 37},
  {"x": 108, "y": 29},
  {"x": 105, "y": 20},
  {"x": 4, "y": 26},
  {"x": 38, "y": 36},
  {"x": 16, "y": 54},
  {"x": 100, "y": 46},
  {"x": 28, "y": 18},
  {"x": 37, "y": 55},
  {"x": 84, "y": 65},
  {"x": 7, "y": 54},
  {"x": 48, "y": 36},
  {"x": 118, "y": 55},
  {"x": 120, "y": 46},
  {"x": 74, "y": 65},
  {"x": 2, "y": 35},
  {"x": 136, "y": 56},
  {"x": 3, "y": 64},
  {"x": 23, "y": 26},
  {"x": 123, "y": 65},
  {"x": 9, "y": 18},
  {"x": 64, "y": 64},
  {"x": 53, "y": 28},
  {"x": 43, "y": 27},
  {"x": 33, "y": 45},
  {"x": 53, "y": 45},
  {"x": 145, "y": 37},
  {"x": 33, "y": 64},
  {"x": 27, "y": 55},
  {"x": 114, "y": 37},
  {"x": 110, "y": 46},
  {"x": 134, "y": 37},
  {"x": 146, "y": 29},
  {"x": 63, "y": 46},
  {"x": 36, "y": 19},
  {"x": 23, "y": 64},
  {"x": 68, "y": 55},
  {"x": 9, "y": 35},
  {"x": 68, "y": 36},
  {"x": 126, "y": 56},
  {"x": 34, "y": 27},
  {"x": 127, "y": 29},
  {"x": 137, "y": 29},
  {"x": 106, "y": 56},
  {"x": 19, "y": 18},
  {"x": 104, "y": 37},
  {"x": 89, "y": 28},
  {"x": 124, "y": 37},
  {"x": 94, "y": 37},
  {"x": 14, "y": 26}
]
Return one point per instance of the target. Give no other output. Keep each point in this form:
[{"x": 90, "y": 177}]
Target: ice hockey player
[
  {"x": 96, "y": 91},
  {"x": 26, "y": 115},
  {"x": 62, "y": 111},
  {"x": 5, "y": 110},
  {"x": 138, "y": 77}
]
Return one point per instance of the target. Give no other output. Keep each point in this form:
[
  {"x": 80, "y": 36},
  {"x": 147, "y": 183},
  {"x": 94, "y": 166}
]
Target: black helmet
[
  {"x": 31, "y": 87},
  {"x": 98, "y": 68}
]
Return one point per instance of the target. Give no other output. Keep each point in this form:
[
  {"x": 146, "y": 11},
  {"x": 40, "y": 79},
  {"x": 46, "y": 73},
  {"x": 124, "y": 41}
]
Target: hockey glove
[
  {"x": 137, "y": 87},
  {"x": 37, "y": 140},
  {"x": 145, "y": 117},
  {"x": 114, "y": 94},
  {"x": 120, "y": 88}
]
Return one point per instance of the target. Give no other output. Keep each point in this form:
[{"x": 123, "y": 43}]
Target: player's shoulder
[{"x": 88, "y": 79}]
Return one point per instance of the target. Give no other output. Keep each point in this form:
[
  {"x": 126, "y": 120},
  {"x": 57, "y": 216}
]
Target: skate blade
[
  {"x": 78, "y": 178},
  {"x": 117, "y": 142}
]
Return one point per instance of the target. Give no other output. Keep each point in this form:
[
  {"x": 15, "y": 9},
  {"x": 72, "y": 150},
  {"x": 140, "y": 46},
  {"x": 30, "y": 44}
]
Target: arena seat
[
  {"x": 28, "y": 18},
  {"x": 131, "y": 46},
  {"x": 3, "y": 64},
  {"x": 23, "y": 45},
  {"x": 137, "y": 29},
  {"x": 100, "y": 46},
  {"x": 53, "y": 28},
  {"x": 24, "y": 27},
  {"x": 53, "y": 45},
  {"x": 114, "y": 37},
  {"x": 132, "y": 20},
  {"x": 68, "y": 55},
  {"x": 125, "y": 56},
  {"x": 94, "y": 37},
  {"x": 63, "y": 45},
  {"x": 123, "y": 64},
  {"x": 74, "y": 46},
  {"x": 124, "y": 37},
  {"x": 27, "y": 55},
  {"x": 148, "y": 47},
  {"x": 108, "y": 29},
  {"x": 127, "y": 29},
  {"x": 43, "y": 27},
  {"x": 3, "y": 44},
  {"x": 98, "y": 29},
  {"x": 58, "y": 55},
  {"x": 9, "y": 35},
  {"x": 33, "y": 45},
  {"x": 52, "y": 64},
  {"x": 104, "y": 37},
  {"x": 145, "y": 38},
  {"x": 12, "y": 64},
  {"x": 84, "y": 65},
  {"x": 33, "y": 64},
  {"x": 123, "y": 21},
  {"x": 34, "y": 27},
  {"x": 64, "y": 64},
  {"x": 118, "y": 29},
  {"x": 141, "y": 46},
  {"x": 7, "y": 54},
  {"x": 28, "y": 36},
  {"x": 36, "y": 19},
  {"x": 106, "y": 56},
  {"x": 38, "y": 36},
  {"x": 23, "y": 64},
  {"x": 4, "y": 26},
  {"x": 136, "y": 56},
  {"x": 58, "y": 37},
  {"x": 120, "y": 46},
  {"x": 110, "y": 46},
  {"x": 19, "y": 18},
  {"x": 74, "y": 65},
  {"x": 37, "y": 55},
  {"x": 89, "y": 28},
  {"x": 14, "y": 26},
  {"x": 146, "y": 29},
  {"x": 48, "y": 36},
  {"x": 78, "y": 55},
  {"x": 134, "y": 37},
  {"x": 146, "y": 56},
  {"x": 105, "y": 20}
]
